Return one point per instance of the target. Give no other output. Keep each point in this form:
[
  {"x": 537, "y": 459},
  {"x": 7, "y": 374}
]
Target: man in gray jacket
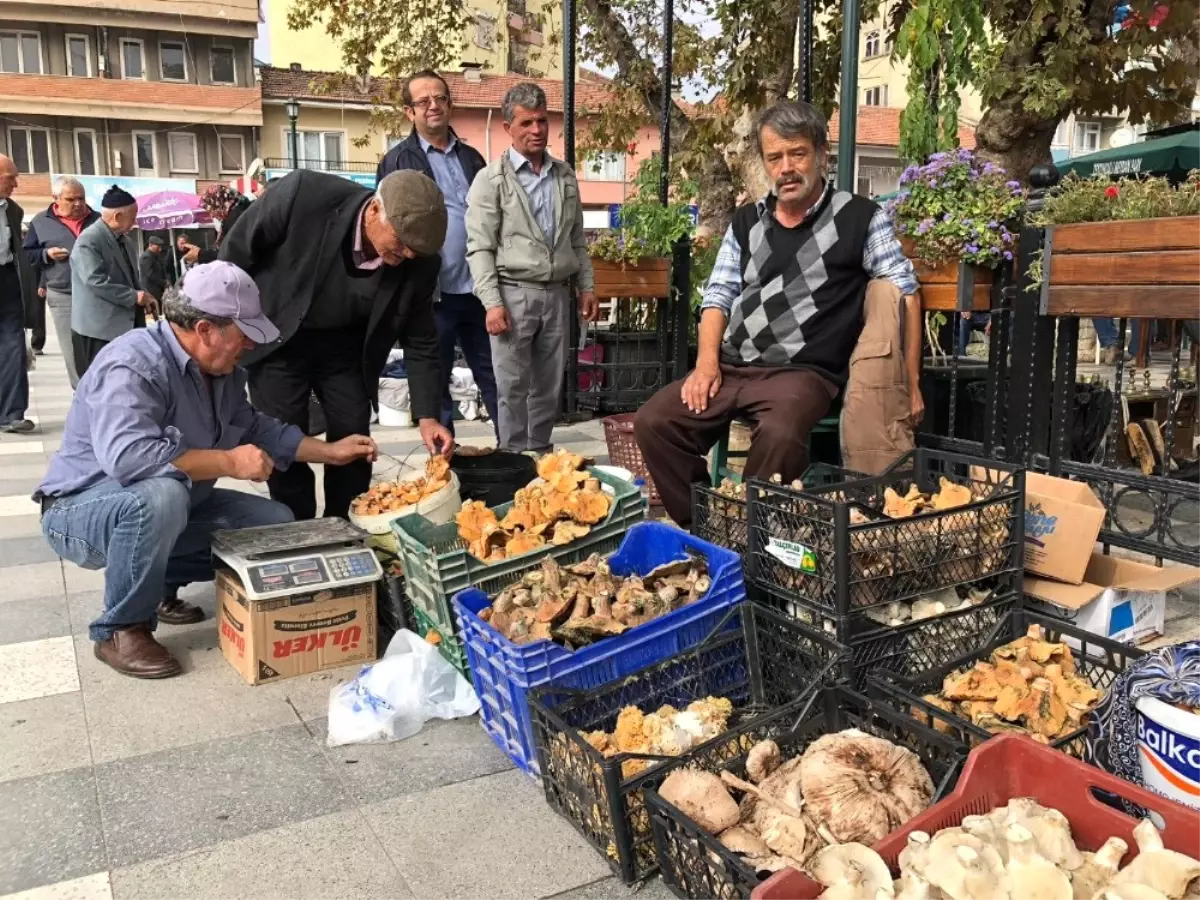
[
  {"x": 48, "y": 246},
  {"x": 524, "y": 244},
  {"x": 106, "y": 295}
]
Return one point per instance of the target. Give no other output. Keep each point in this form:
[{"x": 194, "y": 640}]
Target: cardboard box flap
[
  {"x": 1070, "y": 596},
  {"x": 1062, "y": 489},
  {"x": 1126, "y": 574}
]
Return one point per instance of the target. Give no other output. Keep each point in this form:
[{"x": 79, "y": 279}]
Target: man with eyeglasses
[{"x": 434, "y": 149}]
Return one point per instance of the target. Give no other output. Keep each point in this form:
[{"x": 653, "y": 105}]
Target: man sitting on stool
[{"x": 157, "y": 419}]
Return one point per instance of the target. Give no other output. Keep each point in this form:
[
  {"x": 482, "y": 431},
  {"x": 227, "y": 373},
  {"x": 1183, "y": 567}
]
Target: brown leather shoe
[
  {"x": 135, "y": 652},
  {"x": 173, "y": 611}
]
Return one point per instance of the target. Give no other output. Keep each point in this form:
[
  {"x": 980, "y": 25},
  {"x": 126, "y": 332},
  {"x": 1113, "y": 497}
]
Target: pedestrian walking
[
  {"x": 435, "y": 150},
  {"x": 107, "y": 299},
  {"x": 18, "y": 308},
  {"x": 48, "y": 247},
  {"x": 344, "y": 272},
  {"x": 524, "y": 244}
]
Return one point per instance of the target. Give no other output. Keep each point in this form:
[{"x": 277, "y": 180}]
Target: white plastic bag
[{"x": 391, "y": 699}]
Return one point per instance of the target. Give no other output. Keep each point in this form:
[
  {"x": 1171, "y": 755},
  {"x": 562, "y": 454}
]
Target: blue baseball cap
[{"x": 222, "y": 289}]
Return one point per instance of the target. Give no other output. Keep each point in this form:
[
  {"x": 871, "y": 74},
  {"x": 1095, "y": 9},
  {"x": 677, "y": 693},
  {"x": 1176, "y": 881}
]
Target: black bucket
[{"x": 493, "y": 477}]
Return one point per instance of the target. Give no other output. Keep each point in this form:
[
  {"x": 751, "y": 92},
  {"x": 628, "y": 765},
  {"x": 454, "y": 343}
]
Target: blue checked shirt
[{"x": 882, "y": 258}]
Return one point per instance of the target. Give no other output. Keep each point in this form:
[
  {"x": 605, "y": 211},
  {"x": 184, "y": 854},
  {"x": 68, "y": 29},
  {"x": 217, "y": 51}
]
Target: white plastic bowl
[
  {"x": 394, "y": 418},
  {"x": 439, "y": 509}
]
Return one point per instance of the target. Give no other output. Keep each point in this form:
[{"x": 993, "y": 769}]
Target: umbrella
[
  {"x": 1172, "y": 155},
  {"x": 170, "y": 209}
]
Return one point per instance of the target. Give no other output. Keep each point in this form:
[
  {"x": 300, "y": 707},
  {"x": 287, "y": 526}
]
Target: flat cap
[{"x": 414, "y": 206}]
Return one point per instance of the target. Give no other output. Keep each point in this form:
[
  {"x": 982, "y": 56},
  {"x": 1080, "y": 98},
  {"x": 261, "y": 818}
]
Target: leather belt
[{"x": 48, "y": 504}]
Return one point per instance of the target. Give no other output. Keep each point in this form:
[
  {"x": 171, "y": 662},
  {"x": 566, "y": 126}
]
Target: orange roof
[
  {"x": 487, "y": 93},
  {"x": 879, "y": 126}
]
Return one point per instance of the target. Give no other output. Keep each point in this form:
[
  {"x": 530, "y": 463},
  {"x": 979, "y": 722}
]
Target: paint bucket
[{"x": 1169, "y": 750}]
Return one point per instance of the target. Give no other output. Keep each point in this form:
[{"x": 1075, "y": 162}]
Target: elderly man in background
[
  {"x": 48, "y": 246},
  {"x": 796, "y": 275},
  {"x": 436, "y": 151},
  {"x": 107, "y": 299},
  {"x": 154, "y": 269},
  {"x": 524, "y": 244},
  {"x": 156, "y": 421},
  {"x": 18, "y": 308},
  {"x": 344, "y": 272}
]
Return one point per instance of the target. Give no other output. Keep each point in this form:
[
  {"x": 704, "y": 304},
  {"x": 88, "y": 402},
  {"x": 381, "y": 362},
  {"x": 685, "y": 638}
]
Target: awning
[{"x": 1172, "y": 155}]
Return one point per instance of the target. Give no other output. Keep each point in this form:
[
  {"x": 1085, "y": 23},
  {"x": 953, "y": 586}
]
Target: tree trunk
[{"x": 1014, "y": 138}]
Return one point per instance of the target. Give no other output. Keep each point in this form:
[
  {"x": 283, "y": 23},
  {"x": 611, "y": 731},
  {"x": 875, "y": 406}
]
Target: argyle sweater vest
[{"x": 802, "y": 288}]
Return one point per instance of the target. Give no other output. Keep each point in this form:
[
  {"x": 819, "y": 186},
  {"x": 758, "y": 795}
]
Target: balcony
[
  {"x": 230, "y": 18},
  {"x": 517, "y": 8},
  {"x": 320, "y": 165},
  {"x": 143, "y": 101}
]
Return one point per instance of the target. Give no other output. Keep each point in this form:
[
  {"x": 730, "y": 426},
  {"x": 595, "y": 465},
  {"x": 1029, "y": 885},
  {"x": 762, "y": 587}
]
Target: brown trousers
[{"x": 783, "y": 405}]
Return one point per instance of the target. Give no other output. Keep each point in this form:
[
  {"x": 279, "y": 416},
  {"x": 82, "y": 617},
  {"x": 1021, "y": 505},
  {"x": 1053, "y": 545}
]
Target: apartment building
[{"x": 156, "y": 93}]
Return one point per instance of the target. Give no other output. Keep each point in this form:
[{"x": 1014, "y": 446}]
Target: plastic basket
[
  {"x": 1097, "y": 659},
  {"x": 695, "y": 864},
  {"x": 437, "y": 565},
  {"x": 503, "y": 671},
  {"x": 1011, "y": 766},
  {"x": 763, "y": 661},
  {"x": 805, "y": 548},
  {"x": 623, "y": 449}
]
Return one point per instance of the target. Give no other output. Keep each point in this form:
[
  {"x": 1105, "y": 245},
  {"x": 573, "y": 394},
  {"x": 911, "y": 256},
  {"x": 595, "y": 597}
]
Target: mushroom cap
[
  {"x": 852, "y": 862},
  {"x": 1130, "y": 891}
]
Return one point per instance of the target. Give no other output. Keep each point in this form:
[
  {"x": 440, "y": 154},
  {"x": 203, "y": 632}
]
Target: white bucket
[
  {"x": 439, "y": 509},
  {"x": 394, "y": 418},
  {"x": 1169, "y": 750}
]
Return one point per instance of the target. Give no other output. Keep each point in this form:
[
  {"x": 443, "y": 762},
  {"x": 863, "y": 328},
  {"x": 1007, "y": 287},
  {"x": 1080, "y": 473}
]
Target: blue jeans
[
  {"x": 1106, "y": 332},
  {"x": 149, "y": 539},
  {"x": 460, "y": 318},
  {"x": 976, "y": 322}
]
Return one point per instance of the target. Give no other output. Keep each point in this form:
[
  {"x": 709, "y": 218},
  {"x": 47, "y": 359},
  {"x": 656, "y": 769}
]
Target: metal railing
[{"x": 319, "y": 165}]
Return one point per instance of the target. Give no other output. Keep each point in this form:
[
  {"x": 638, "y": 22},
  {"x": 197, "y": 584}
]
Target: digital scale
[{"x": 297, "y": 557}]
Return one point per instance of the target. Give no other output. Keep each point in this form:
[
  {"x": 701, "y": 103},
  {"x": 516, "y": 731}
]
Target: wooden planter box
[
  {"x": 1143, "y": 268},
  {"x": 939, "y": 284},
  {"x": 647, "y": 278}
]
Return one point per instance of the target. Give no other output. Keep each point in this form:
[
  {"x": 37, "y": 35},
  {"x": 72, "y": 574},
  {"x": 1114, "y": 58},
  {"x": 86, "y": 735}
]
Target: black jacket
[
  {"x": 408, "y": 154},
  {"x": 47, "y": 231},
  {"x": 25, "y": 274},
  {"x": 288, "y": 239},
  {"x": 155, "y": 273}
]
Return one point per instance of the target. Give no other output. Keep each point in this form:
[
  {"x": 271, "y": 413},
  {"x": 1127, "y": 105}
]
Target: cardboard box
[
  {"x": 1118, "y": 599},
  {"x": 268, "y": 640},
  {"x": 1062, "y": 521}
]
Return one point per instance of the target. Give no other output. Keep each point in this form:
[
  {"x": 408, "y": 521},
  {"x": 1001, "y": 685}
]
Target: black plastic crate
[
  {"x": 832, "y": 549},
  {"x": 1097, "y": 659},
  {"x": 694, "y": 864},
  {"x": 394, "y": 611},
  {"x": 763, "y": 662}
]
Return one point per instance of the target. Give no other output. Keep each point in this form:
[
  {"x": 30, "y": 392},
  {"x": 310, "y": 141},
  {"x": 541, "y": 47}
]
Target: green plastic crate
[
  {"x": 437, "y": 565},
  {"x": 451, "y": 645}
]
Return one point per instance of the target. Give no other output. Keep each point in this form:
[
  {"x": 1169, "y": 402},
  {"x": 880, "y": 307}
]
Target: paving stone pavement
[{"x": 201, "y": 786}]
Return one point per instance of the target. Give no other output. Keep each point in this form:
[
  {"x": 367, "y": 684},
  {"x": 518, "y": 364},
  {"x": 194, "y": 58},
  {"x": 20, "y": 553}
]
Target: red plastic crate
[{"x": 1011, "y": 766}]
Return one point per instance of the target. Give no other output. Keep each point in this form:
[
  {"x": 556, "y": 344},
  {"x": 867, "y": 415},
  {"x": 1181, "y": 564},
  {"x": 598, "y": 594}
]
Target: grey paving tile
[
  {"x": 13, "y": 484},
  {"x": 22, "y": 474},
  {"x": 19, "y": 551},
  {"x": 613, "y": 889},
  {"x": 28, "y": 582},
  {"x": 33, "y": 619},
  {"x": 49, "y": 830},
  {"x": 20, "y": 526},
  {"x": 44, "y": 735},
  {"x": 442, "y": 753},
  {"x": 491, "y": 818},
  {"x": 330, "y": 857},
  {"x": 217, "y": 791},
  {"x": 572, "y": 435},
  {"x": 308, "y": 695}
]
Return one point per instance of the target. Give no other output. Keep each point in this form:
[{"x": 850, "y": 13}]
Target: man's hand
[
  {"x": 436, "y": 438},
  {"x": 589, "y": 306},
  {"x": 249, "y": 463},
  {"x": 352, "y": 448},
  {"x": 700, "y": 387},
  {"x": 916, "y": 406},
  {"x": 58, "y": 254},
  {"x": 41, "y": 292},
  {"x": 497, "y": 320}
]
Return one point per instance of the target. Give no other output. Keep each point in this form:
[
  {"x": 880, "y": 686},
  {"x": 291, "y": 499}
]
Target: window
[
  {"x": 181, "y": 152},
  {"x": 876, "y": 96},
  {"x": 485, "y": 31},
  {"x": 133, "y": 59},
  {"x": 21, "y": 51},
  {"x": 85, "y": 151},
  {"x": 321, "y": 150},
  {"x": 29, "y": 149},
  {"x": 172, "y": 60},
  {"x": 79, "y": 56},
  {"x": 873, "y": 43},
  {"x": 518, "y": 57},
  {"x": 232, "y": 150},
  {"x": 393, "y": 140},
  {"x": 604, "y": 166},
  {"x": 1061, "y": 135},
  {"x": 221, "y": 65},
  {"x": 864, "y": 187},
  {"x": 1087, "y": 137},
  {"x": 143, "y": 153}
]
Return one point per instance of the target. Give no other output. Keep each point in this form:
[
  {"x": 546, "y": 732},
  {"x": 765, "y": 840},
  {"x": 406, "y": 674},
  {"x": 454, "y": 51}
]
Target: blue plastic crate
[{"x": 503, "y": 671}]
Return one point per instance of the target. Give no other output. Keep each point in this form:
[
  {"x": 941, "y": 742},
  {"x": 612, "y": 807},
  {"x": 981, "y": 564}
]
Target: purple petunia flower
[
  {"x": 1008, "y": 254},
  {"x": 972, "y": 248},
  {"x": 946, "y": 217}
]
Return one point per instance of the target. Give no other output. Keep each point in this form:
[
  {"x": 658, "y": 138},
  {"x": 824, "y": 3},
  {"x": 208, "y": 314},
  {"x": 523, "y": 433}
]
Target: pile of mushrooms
[
  {"x": 846, "y": 788},
  {"x": 1022, "y": 851},
  {"x": 899, "y": 613}
]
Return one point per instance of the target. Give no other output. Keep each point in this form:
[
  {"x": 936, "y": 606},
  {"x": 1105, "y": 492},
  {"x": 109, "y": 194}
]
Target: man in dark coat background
[
  {"x": 154, "y": 268},
  {"x": 343, "y": 272},
  {"x": 18, "y": 308}
]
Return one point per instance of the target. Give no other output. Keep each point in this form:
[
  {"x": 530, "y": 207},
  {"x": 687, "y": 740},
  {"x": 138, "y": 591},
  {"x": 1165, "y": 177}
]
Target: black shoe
[
  {"x": 173, "y": 611},
  {"x": 20, "y": 426}
]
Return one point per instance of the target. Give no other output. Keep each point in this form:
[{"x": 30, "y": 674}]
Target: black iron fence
[{"x": 321, "y": 165}]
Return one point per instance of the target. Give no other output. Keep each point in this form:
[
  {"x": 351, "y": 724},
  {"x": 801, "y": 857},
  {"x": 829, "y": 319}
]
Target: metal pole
[
  {"x": 570, "y": 28},
  {"x": 804, "y": 70},
  {"x": 848, "y": 105},
  {"x": 664, "y": 128},
  {"x": 295, "y": 148}
]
